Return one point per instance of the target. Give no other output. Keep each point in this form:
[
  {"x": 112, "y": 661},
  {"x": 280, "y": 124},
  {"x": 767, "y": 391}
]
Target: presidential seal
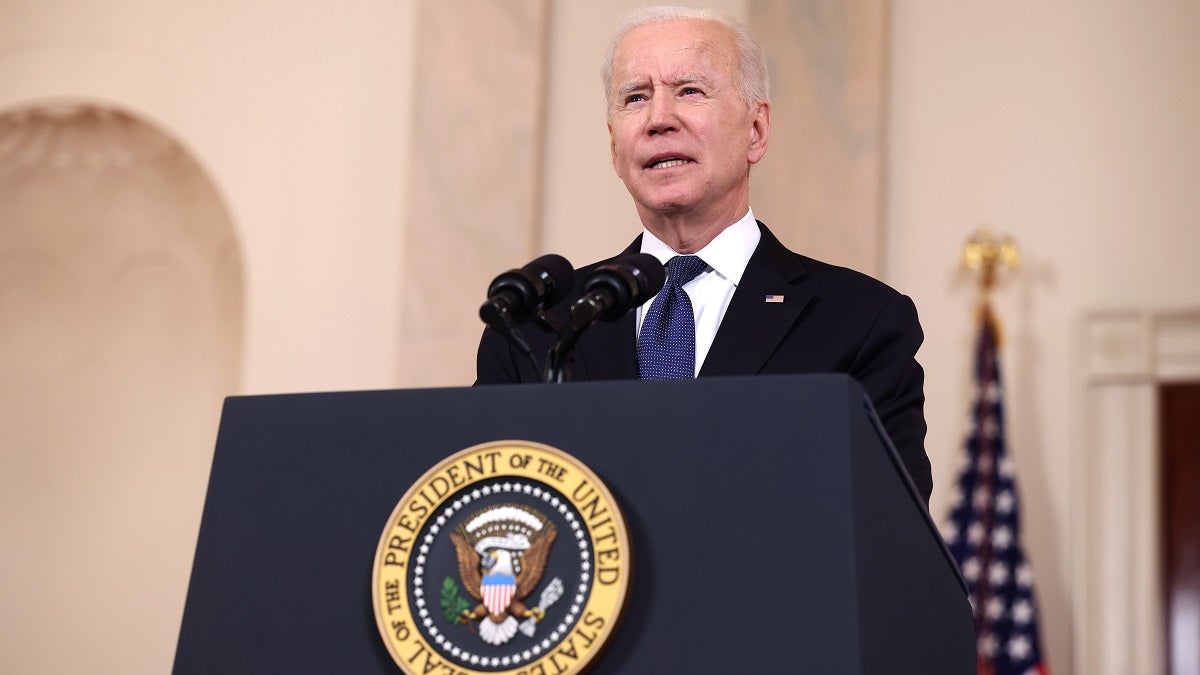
[{"x": 507, "y": 557}]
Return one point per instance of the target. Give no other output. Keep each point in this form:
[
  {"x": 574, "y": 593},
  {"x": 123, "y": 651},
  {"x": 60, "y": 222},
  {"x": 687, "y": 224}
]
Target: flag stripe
[{"x": 983, "y": 528}]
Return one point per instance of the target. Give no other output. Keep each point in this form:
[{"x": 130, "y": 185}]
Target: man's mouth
[{"x": 667, "y": 163}]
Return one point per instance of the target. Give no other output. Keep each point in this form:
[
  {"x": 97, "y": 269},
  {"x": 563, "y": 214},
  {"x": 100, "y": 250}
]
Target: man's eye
[
  {"x": 634, "y": 98},
  {"x": 688, "y": 91}
]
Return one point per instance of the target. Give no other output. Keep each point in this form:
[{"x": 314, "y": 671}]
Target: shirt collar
[{"x": 728, "y": 253}]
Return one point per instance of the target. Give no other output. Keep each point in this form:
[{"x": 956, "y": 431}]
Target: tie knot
[{"x": 683, "y": 268}]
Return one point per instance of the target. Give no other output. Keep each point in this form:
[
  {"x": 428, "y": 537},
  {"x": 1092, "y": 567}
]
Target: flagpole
[{"x": 983, "y": 530}]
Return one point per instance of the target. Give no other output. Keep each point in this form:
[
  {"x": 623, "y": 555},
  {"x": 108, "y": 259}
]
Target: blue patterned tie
[{"x": 666, "y": 347}]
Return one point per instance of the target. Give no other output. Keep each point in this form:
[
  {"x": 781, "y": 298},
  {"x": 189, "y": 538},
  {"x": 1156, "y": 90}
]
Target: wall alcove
[{"x": 121, "y": 298}]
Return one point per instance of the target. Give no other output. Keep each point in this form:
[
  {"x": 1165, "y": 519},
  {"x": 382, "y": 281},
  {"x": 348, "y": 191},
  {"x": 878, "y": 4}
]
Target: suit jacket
[{"x": 832, "y": 319}]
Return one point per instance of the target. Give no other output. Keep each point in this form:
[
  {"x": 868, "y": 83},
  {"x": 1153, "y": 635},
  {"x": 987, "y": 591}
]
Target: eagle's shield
[{"x": 497, "y": 591}]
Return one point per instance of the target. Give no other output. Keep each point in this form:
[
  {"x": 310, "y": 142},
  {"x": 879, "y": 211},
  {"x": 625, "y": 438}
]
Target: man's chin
[
  {"x": 671, "y": 204},
  {"x": 667, "y": 209}
]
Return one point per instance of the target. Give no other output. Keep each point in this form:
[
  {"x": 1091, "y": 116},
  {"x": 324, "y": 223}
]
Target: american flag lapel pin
[{"x": 771, "y": 297}]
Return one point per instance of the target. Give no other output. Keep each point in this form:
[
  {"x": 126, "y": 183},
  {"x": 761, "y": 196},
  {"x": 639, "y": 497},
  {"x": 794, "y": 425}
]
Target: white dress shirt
[{"x": 727, "y": 256}]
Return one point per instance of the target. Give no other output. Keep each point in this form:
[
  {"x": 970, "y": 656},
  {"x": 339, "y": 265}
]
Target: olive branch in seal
[{"x": 453, "y": 604}]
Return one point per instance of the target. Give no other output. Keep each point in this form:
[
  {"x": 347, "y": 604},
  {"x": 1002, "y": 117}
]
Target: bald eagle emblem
[{"x": 502, "y": 553}]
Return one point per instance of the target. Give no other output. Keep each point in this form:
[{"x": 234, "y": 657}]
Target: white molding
[{"x": 1125, "y": 355}]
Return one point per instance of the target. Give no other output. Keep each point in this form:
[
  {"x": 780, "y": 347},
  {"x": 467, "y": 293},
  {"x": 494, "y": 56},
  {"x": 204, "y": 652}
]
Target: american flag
[{"x": 983, "y": 530}]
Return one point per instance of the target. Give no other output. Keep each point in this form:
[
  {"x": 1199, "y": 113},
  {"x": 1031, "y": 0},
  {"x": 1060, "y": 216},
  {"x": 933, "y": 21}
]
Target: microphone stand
[
  {"x": 582, "y": 315},
  {"x": 503, "y": 323},
  {"x": 559, "y": 356}
]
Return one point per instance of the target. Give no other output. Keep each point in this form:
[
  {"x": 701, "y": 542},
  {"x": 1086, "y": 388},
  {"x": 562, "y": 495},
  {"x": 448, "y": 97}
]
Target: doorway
[{"x": 1179, "y": 410}]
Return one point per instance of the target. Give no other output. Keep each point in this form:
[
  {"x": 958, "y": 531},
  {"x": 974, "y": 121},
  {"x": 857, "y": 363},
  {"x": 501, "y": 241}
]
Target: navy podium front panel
[{"x": 773, "y": 528}]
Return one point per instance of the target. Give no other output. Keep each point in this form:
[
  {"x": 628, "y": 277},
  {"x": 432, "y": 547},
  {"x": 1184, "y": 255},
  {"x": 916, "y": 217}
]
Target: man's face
[{"x": 682, "y": 137}]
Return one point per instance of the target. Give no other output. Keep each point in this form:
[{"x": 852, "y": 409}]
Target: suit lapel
[{"x": 753, "y": 328}]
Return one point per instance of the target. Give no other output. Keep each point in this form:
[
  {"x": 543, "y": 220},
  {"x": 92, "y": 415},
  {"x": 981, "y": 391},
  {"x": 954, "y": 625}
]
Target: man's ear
[
  {"x": 760, "y": 131},
  {"x": 612, "y": 147}
]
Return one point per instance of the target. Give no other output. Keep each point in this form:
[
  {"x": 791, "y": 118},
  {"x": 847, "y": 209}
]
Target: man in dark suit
[{"x": 688, "y": 115}]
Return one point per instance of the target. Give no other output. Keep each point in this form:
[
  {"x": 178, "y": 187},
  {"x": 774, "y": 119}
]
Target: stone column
[{"x": 475, "y": 175}]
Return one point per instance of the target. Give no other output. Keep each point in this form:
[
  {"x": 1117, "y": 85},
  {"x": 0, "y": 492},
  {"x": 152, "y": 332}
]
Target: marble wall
[
  {"x": 475, "y": 176},
  {"x": 821, "y": 186}
]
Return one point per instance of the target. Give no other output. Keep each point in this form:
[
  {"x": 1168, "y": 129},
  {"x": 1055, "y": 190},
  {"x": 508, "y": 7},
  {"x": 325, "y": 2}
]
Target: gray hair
[{"x": 752, "y": 80}]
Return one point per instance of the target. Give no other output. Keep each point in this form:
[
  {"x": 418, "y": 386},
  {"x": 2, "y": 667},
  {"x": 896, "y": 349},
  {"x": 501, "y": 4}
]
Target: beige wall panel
[
  {"x": 475, "y": 175},
  {"x": 820, "y": 186}
]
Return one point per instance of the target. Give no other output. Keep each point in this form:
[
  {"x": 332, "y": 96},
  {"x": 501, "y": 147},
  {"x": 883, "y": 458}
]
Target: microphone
[
  {"x": 515, "y": 295},
  {"x": 608, "y": 294},
  {"x": 615, "y": 288}
]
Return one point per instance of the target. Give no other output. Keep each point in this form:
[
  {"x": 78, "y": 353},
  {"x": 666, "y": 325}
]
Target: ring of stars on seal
[{"x": 423, "y": 610}]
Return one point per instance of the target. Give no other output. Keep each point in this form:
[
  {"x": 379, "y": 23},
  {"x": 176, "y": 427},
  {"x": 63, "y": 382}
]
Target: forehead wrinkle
[
  {"x": 718, "y": 52},
  {"x": 675, "y": 81}
]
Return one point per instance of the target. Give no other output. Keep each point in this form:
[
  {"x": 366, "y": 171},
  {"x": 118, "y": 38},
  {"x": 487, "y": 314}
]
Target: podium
[{"x": 773, "y": 528}]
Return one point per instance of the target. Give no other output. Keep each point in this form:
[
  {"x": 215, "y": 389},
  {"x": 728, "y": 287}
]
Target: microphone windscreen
[
  {"x": 623, "y": 284},
  {"x": 558, "y": 275},
  {"x": 650, "y": 273}
]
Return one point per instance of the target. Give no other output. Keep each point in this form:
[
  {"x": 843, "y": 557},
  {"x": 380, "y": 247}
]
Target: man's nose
[{"x": 661, "y": 115}]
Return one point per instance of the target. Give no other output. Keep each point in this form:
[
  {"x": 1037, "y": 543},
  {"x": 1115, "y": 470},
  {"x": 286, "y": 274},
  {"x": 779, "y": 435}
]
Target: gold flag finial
[{"x": 985, "y": 252}]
